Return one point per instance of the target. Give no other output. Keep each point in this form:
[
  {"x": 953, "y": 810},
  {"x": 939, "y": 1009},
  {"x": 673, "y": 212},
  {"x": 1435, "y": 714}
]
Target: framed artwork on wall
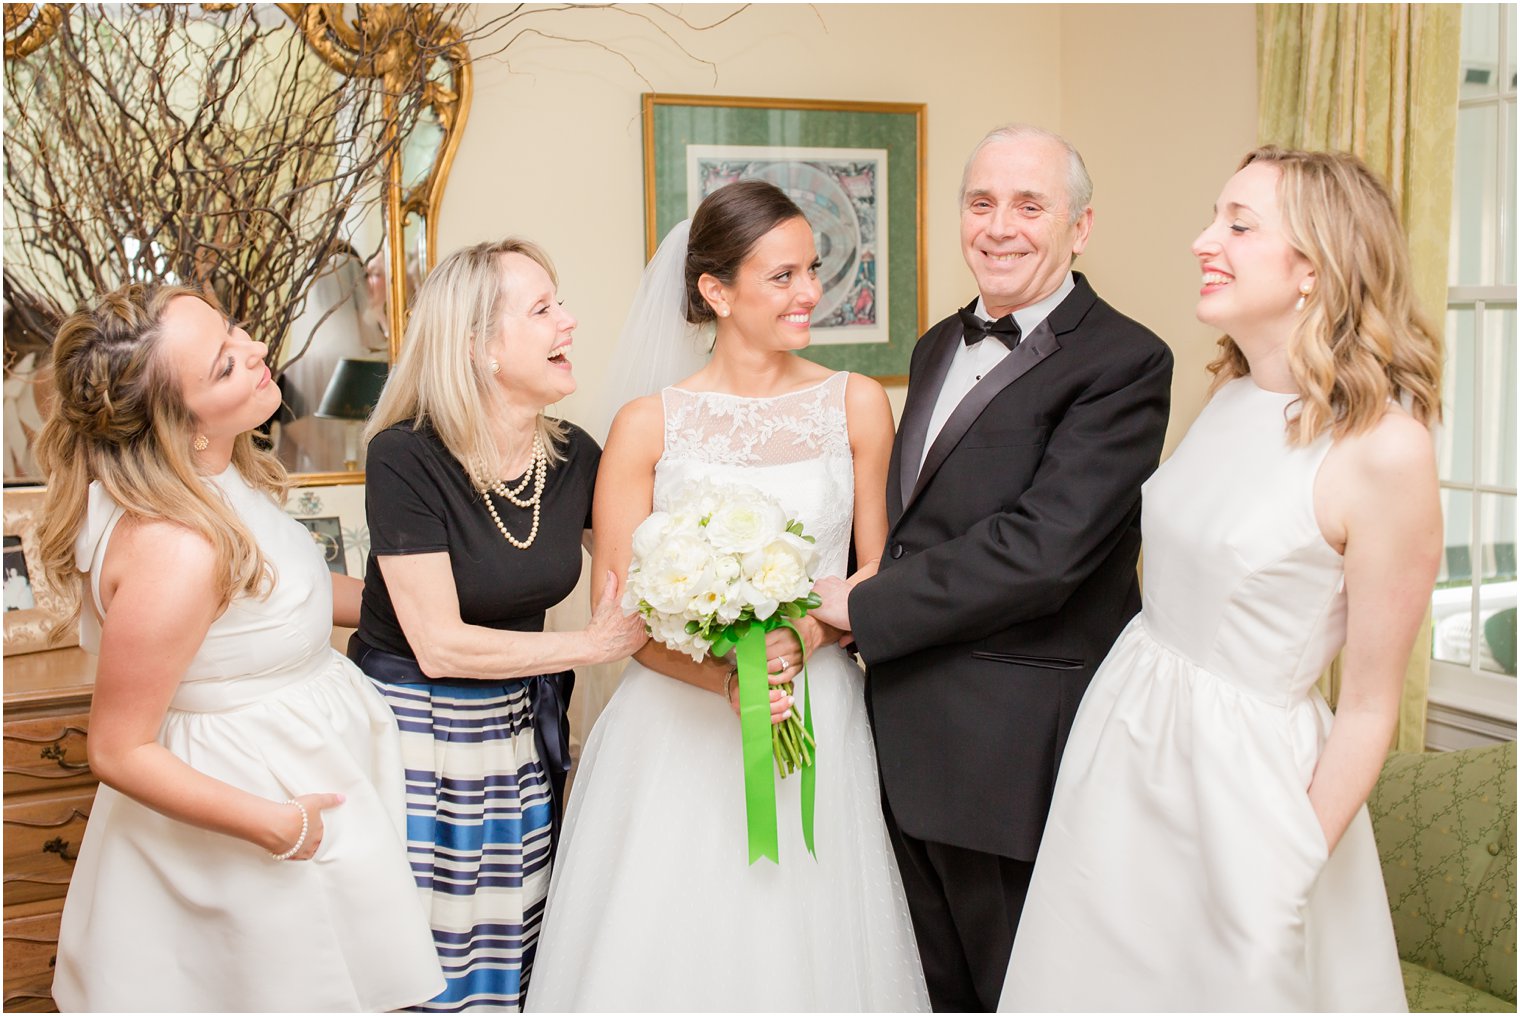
[
  {"x": 334, "y": 515},
  {"x": 857, "y": 171},
  {"x": 30, "y": 605}
]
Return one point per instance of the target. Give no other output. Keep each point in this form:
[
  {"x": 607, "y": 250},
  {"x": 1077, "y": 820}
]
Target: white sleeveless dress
[
  {"x": 1182, "y": 866},
  {"x": 653, "y": 905},
  {"x": 163, "y": 916}
]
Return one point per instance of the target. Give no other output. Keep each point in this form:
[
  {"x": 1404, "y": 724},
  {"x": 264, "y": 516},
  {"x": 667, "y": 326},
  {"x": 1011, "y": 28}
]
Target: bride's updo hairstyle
[{"x": 727, "y": 225}]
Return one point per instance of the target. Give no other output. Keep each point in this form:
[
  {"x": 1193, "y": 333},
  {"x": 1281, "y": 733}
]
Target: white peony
[
  {"x": 782, "y": 574},
  {"x": 741, "y": 526},
  {"x": 650, "y": 534},
  {"x": 682, "y": 567}
]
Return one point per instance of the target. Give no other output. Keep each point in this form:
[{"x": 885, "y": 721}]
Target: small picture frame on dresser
[{"x": 30, "y": 603}]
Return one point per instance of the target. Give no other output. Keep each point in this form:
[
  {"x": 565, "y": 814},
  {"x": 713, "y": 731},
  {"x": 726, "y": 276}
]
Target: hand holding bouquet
[{"x": 714, "y": 574}]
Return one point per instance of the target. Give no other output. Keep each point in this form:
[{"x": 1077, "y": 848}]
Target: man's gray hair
[{"x": 1079, "y": 186}]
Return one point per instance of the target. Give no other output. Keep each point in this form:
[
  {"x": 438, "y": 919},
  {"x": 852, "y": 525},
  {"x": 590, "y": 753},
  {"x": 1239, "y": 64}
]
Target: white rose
[
  {"x": 742, "y": 526},
  {"x": 726, "y": 569}
]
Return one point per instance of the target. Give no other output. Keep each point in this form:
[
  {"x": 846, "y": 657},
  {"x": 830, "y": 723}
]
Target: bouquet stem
[{"x": 791, "y": 742}]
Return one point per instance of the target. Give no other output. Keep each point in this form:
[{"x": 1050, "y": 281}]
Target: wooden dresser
[{"x": 49, "y": 791}]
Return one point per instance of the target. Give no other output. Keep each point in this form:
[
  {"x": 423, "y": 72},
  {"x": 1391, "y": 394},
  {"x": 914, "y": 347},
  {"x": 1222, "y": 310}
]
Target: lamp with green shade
[{"x": 351, "y": 396}]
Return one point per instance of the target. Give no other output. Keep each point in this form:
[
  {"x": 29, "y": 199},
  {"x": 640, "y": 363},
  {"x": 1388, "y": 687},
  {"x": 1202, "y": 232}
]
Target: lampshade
[{"x": 354, "y": 389}]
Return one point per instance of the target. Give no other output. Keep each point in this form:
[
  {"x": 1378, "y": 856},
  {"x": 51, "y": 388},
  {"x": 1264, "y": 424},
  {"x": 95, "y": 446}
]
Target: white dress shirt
[{"x": 970, "y": 364}]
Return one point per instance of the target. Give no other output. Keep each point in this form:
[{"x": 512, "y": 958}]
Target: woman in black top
[{"x": 478, "y": 505}]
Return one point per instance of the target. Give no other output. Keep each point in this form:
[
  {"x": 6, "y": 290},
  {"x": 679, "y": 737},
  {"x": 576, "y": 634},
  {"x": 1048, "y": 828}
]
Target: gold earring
[
  {"x": 495, "y": 367},
  {"x": 201, "y": 442}
]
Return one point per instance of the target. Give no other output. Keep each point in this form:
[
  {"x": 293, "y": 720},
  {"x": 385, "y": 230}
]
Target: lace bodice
[{"x": 795, "y": 447}]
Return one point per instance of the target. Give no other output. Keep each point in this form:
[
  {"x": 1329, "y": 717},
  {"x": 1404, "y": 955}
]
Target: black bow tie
[{"x": 973, "y": 329}]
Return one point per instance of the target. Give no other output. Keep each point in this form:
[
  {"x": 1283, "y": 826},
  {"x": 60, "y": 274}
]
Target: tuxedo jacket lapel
[
  {"x": 1035, "y": 346},
  {"x": 919, "y": 406}
]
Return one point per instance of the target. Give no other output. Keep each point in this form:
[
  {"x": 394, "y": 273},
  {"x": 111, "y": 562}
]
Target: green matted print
[{"x": 855, "y": 168}]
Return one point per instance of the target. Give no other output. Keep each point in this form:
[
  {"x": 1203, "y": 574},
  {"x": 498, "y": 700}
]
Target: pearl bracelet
[{"x": 300, "y": 840}]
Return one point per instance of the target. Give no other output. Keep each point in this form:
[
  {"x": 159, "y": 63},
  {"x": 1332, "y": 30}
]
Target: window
[{"x": 1473, "y": 608}]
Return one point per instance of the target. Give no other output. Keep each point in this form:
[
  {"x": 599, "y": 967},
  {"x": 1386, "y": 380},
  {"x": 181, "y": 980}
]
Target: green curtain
[{"x": 1380, "y": 81}]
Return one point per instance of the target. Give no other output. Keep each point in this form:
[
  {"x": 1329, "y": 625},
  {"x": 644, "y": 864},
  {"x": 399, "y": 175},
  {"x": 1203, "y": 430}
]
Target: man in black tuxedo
[{"x": 1032, "y": 418}]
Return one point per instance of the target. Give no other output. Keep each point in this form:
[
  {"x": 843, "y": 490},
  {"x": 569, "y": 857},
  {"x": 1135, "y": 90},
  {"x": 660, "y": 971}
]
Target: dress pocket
[{"x": 1307, "y": 840}]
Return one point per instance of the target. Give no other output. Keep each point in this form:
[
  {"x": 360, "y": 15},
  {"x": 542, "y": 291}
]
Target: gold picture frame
[{"x": 26, "y": 626}]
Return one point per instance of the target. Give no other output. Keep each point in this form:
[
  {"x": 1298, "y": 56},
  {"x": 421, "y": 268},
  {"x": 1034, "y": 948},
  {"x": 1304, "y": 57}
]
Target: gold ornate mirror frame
[{"x": 345, "y": 37}]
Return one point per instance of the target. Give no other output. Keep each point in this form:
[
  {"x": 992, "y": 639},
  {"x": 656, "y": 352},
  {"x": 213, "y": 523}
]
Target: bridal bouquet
[{"x": 714, "y": 574}]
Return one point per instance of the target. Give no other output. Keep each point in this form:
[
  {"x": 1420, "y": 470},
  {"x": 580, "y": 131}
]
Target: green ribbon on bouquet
[{"x": 755, "y": 732}]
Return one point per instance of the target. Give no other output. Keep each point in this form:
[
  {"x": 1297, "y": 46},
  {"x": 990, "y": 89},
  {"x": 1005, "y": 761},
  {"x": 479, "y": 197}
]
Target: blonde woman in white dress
[
  {"x": 1208, "y": 846},
  {"x": 246, "y": 850}
]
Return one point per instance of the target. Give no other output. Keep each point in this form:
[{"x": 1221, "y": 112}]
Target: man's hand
[{"x": 835, "y": 609}]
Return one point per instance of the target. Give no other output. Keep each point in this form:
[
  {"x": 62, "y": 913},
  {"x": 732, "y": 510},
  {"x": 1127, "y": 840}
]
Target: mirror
[{"x": 260, "y": 152}]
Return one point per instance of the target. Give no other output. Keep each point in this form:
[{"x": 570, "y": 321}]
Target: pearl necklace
[{"x": 538, "y": 471}]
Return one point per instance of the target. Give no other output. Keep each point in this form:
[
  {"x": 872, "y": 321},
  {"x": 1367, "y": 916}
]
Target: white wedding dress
[
  {"x": 1182, "y": 867},
  {"x": 653, "y": 905}
]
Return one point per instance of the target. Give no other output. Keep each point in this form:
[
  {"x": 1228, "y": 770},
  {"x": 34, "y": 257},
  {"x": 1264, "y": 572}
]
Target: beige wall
[{"x": 1160, "y": 99}]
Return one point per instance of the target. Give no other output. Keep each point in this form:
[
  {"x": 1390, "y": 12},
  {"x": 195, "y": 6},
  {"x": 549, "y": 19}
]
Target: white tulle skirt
[{"x": 653, "y": 906}]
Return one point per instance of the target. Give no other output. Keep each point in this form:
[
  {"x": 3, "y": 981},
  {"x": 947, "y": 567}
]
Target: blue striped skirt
[{"x": 480, "y": 808}]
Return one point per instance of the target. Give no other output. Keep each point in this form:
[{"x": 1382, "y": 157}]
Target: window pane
[
  {"x": 1507, "y": 255},
  {"x": 1507, "y": 27},
  {"x": 1496, "y": 597},
  {"x": 1451, "y": 604},
  {"x": 1456, "y": 433},
  {"x": 1479, "y": 74},
  {"x": 1498, "y": 437},
  {"x": 1475, "y": 197}
]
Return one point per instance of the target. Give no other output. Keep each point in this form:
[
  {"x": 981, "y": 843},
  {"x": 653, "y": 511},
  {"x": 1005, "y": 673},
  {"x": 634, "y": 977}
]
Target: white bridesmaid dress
[
  {"x": 166, "y": 917},
  {"x": 1182, "y": 867}
]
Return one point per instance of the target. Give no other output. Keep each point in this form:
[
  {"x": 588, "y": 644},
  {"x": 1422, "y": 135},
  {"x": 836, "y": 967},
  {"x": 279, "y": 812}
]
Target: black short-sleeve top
[{"x": 420, "y": 500}]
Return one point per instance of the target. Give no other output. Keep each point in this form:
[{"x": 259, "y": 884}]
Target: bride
[{"x": 653, "y": 906}]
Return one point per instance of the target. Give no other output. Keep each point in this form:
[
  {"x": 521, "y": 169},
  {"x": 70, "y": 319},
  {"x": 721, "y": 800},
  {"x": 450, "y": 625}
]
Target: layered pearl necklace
[{"x": 538, "y": 471}]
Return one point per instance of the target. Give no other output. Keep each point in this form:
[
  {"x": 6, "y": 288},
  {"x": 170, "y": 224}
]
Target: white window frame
[{"x": 1469, "y": 704}]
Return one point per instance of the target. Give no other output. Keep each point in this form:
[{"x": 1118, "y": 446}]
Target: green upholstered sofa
[{"x": 1445, "y": 824}]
